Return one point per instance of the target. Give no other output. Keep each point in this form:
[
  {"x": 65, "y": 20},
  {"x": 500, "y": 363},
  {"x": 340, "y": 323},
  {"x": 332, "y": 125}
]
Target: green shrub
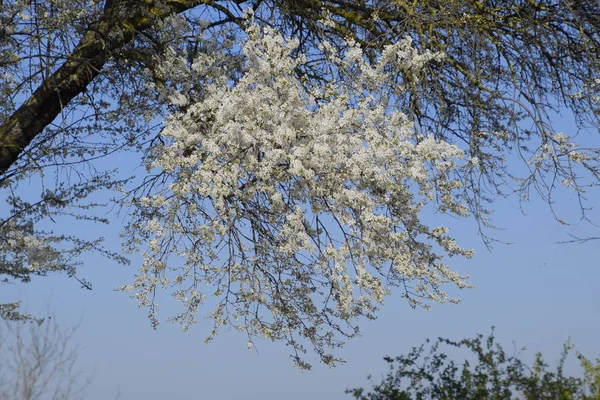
[{"x": 493, "y": 374}]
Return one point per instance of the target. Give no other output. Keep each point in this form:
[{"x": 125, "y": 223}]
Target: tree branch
[{"x": 118, "y": 26}]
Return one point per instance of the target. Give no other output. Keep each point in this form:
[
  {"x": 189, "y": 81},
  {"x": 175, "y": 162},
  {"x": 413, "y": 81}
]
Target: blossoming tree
[{"x": 290, "y": 146}]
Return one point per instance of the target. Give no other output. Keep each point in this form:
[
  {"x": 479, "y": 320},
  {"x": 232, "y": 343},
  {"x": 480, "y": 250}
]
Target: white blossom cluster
[
  {"x": 294, "y": 207},
  {"x": 23, "y": 252}
]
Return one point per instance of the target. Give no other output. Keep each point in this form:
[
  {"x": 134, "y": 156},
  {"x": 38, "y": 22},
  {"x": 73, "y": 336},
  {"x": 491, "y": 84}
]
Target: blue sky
[{"x": 535, "y": 291}]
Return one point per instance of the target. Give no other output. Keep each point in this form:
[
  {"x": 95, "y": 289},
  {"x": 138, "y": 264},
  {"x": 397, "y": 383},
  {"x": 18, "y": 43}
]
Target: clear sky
[{"x": 536, "y": 292}]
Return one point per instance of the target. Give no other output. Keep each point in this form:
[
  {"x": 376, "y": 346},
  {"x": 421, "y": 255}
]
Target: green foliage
[
  {"x": 490, "y": 374},
  {"x": 591, "y": 375}
]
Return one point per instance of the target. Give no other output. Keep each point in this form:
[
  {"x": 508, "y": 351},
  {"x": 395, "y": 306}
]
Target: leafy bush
[{"x": 494, "y": 375}]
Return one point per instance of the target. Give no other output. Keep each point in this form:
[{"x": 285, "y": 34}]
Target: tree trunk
[{"x": 80, "y": 68}]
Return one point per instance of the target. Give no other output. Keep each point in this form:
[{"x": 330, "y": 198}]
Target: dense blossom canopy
[{"x": 299, "y": 203}]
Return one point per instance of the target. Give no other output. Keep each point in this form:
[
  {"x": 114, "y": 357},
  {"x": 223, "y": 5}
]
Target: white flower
[{"x": 302, "y": 213}]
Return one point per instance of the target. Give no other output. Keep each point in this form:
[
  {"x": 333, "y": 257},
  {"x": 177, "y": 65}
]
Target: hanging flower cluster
[{"x": 292, "y": 206}]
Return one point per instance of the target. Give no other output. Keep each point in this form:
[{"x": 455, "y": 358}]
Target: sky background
[{"x": 536, "y": 292}]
